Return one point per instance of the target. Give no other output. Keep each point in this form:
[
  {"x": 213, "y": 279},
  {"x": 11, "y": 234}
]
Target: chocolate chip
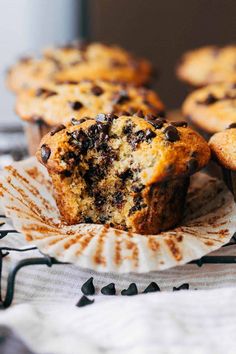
[
  {"x": 77, "y": 121},
  {"x": 45, "y": 153},
  {"x": 210, "y": 99},
  {"x": 118, "y": 198},
  {"x": 57, "y": 129},
  {"x": 84, "y": 301},
  {"x": 76, "y": 105},
  {"x": 184, "y": 286},
  {"x": 171, "y": 133},
  {"x": 88, "y": 287},
  {"x": 101, "y": 117},
  {"x": 88, "y": 220},
  {"x": 109, "y": 289},
  {"x": 179, "y": 124},
  {"x": 139, "y": 113},
  {"x": 97, "y": 90},
  {"x": 125, "y": 174},
  {"x": 120, "y": 97},
  {"x": 137, "y": 189},
  {"x": 192, "y": 165},
  {"x": 125, "y": 113},
  {"x": 150, "y": 134},
  {"x": 150, "y": 117},
  {"x": 232, "y": 125},
  {"x": 99, "y": 200},
  {"x": 44, "y": 92},
  {"x": 157, "y": 124},
  {"x": 132, "y": 290},
  {"x": 151, "y": 288}
]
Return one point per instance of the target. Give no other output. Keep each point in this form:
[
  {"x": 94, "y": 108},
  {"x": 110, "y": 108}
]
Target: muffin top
[
  {"x": 58, "y": 103},
  {"x": 78, "y": 62},
  {"x": 167, "y": 150},
  {"x": 223, "y": 146},
  {"x": 208, "y": 65},
  {"x": 212, "y": 108}
]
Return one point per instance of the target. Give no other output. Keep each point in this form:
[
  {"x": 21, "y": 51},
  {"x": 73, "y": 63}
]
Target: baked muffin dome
[
  {"x": 223, "y": 146},
  {"x": 208, "y": 65},
  {"x": 57, "y": 104},
  {"x": 78, "y": 62},
  {"x": 125, "y": 172},
  {"x": 212, "y": 108}
]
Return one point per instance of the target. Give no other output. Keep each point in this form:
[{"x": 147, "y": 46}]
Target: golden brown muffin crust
[
  {"x": 212, "y": 108},
  {"x": 223, "y": 146},
  {"x": 76, "y": 62},
  {"x": 208, "y": 65},
  {"x": 58, "y": 103}
]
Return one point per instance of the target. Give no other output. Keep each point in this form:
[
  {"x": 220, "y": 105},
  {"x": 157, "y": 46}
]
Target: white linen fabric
[{"x": 198, "y": 321}]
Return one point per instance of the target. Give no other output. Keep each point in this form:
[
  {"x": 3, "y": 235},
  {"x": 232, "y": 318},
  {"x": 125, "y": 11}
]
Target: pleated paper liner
[{"x": 27, "y": 198}]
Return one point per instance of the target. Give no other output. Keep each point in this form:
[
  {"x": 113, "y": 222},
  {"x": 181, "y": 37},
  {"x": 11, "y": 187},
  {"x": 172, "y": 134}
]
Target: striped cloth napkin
[{"x": 45, "y": 316}]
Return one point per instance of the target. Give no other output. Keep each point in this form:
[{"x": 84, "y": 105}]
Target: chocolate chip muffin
[
  {"x": 208, "y": 65},
  {"x": 45, "y": 107},
  {"x": 212, "y": 108},
  {"x": 223, "y": 147},
  {"x": 76, "y": 62},
  {"x": 126, "y": 172}
]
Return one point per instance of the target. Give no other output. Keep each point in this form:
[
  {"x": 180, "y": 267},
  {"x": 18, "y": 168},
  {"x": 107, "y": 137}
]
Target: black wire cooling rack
[{"x": 6, "y": 299}]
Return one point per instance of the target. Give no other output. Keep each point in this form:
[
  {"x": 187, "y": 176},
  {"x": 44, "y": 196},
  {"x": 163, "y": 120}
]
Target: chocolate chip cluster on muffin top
[
  {"x": 128, "y": 172},
  {"x": 57, "y": 103},
  {"x": 78, "y": 61}
]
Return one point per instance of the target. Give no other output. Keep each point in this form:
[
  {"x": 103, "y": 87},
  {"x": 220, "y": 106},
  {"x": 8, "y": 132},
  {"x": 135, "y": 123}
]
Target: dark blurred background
[
  {"x": 163, "y": 30},
  {"x": 158, "y": 30}
]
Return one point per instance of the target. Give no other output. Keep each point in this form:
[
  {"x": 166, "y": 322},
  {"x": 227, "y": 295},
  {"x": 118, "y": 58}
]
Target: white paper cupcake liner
[{"x": 27, "y": 198}]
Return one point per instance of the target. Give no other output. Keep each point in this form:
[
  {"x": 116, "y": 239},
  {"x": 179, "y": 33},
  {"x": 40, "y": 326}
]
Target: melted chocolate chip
[
  {"x": 45, "y": 93},
  {"x": 45, "y": 153},
  {"x": 101, "y": 117},
  {"x": 210, "y": 99},
  {"x": 88, "y": 220},
  {"x": 84, "y": 301},
  {"x": 139, "y": 113},
  {"x": 88, "y": 287},
  {"x": 137, "y": 189},
  {"x": 109, "y": 289},
  {"x": 184, "y": 286},
  {"x": 151, "y": 288},
  {"x": 125, "y": 113},
  {"x": 192, "y": 165},
  {"x": 132, "y": 290},
  {"x": 150, "y": 117},
  {"x": 120, "y": 97},
  {"x": 232, "y": 125},
  {"x": 69, "y": 157},
  {"x": 171, "y": 133},
  {"x": 77, "y": 121},
  {"x": 99, "y": 200},
  {"x": 57, "y": 129},
  {"x": 138, "y": 205},
  {"x": 125, "y": 174},
  {"x": 179, "y": 124},
  {"x": 97, "y": 90},
  {"x": 118, "y": 198},
  {"x": 158, "y": 123},
  {"x": 150, "y": 134},
  {"x": 76, "y": 105}
]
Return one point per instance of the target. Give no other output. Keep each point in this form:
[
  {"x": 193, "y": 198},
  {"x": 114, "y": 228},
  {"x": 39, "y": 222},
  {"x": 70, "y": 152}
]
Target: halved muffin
[{"x": 124, "y": 171}]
